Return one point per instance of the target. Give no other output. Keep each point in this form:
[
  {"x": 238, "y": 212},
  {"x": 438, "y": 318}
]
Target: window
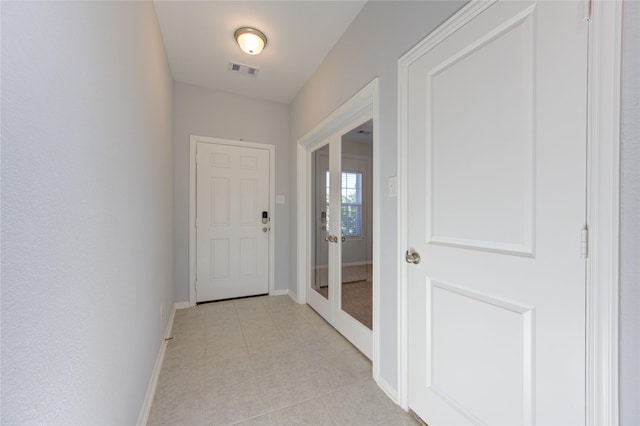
[{"x": 351, "y": 214}]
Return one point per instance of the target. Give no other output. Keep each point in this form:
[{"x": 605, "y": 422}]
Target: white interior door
[
  {"x": 322, "y": 263},
  {"x": 321, "y": 220},
  {"x": 329, "y": 244},
  {"x": 496, "y": 128},
  {"x": 232, "y": 191},
  {"x": 353, "y": 303}
]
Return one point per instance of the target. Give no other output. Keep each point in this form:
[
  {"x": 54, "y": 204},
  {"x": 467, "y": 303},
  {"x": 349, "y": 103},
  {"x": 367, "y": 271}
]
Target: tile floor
[{"x": 265, "y": 361}]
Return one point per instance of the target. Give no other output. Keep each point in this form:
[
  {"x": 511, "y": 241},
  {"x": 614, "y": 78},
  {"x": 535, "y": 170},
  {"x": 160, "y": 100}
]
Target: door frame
[
  {"x": 603, "y": 167},
  {"x": 193, "y": 142},
  {"x": 362, "y": 106}
]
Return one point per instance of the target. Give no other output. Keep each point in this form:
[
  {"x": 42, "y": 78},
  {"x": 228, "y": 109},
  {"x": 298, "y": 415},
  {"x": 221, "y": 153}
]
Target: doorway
[
  {"x": 231, "y": 219},
  {"x": 338, "y": 265},
  {"x": 356, "y": 229}
]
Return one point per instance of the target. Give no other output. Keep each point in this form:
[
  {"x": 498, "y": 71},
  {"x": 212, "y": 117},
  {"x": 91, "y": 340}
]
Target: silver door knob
[
  {"x": 412, "y": 257},
  {"x": 265, "y": 229}
]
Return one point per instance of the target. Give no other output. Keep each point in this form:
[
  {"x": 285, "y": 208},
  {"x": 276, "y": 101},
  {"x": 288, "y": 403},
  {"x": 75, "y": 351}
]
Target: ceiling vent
[{"x": 243, "y": 69}]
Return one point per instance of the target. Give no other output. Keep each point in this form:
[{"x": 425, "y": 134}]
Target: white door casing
[
  {"x": 231, "y": 185},
  {"x": 496, "y": 173}
]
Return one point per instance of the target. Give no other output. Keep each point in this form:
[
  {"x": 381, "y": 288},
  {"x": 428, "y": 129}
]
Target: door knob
[
  {"x": 412, "y": 257},
  {"x": 265, "y": 229},
  {"x": 331, "y": 239},
  {"x": 344, "y": 239}
]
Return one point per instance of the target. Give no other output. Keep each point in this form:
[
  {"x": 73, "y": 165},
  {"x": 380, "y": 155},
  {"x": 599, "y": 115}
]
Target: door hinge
[
  {"x": 587, "y": 10},
  {"x": 584, "y": 242}
]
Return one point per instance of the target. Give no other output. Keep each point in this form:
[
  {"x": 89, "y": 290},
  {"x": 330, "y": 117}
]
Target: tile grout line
[{"x": 294, "y": 350}]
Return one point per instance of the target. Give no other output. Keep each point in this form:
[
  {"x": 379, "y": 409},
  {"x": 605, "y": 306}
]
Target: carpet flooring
[{"x": 357, "y": 300}]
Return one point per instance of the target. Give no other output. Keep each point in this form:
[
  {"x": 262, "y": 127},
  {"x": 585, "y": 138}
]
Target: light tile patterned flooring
[{"x": 265, "y": 361}]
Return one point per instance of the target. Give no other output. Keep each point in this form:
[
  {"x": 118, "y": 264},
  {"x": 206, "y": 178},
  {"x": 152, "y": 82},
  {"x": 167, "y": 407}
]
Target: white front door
[
  {"x": 496, "y": 154},
  {"x": 232, "y": 191}
]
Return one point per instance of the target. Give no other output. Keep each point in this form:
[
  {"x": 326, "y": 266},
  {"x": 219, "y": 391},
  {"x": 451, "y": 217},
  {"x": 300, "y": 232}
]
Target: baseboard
[
  {"x": 294, "y": 297},
  {"x": 286, "y": 292},
  {"x": 181, "y": 305},
  {"x": 153, "y": 383},
  {"x": 387, "y": 389}
]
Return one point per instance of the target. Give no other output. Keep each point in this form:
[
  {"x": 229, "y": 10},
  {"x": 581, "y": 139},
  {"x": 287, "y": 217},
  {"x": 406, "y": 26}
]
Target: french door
[{"x": 340, "y": 285}]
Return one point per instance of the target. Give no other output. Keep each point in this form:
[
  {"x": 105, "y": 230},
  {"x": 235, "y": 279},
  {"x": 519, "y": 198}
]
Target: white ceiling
[{"x": 198, "y": 38}]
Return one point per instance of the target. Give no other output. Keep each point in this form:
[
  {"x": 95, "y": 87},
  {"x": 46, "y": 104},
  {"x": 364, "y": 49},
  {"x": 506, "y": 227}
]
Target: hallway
[{"x": 266, "y": 361}]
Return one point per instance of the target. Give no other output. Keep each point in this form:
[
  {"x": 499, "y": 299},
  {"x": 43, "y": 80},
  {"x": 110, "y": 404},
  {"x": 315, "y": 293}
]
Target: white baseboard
[
  {"x": 286, "y": 292},
  {"x": 294, "y": 297},
  {"x": 153, "y": 383},
  {"x": 181, "y": 305},
  {"x": 387, "y": 389}
]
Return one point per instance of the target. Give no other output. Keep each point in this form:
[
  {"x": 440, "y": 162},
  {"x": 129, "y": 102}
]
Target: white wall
[
  {"x": 207, "y": 112},
  {"x": 86, "y": 209},
  {"x": 630, "y": 220},
  {"x": 371, "y": 46}
]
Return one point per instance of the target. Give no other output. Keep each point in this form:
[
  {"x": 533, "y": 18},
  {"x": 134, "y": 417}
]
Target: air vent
[{"x": 243, "y": 69}]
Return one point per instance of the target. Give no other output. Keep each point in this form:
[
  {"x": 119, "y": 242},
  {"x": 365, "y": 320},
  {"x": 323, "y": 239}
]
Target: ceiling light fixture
[{"x": 250, "y": 40}]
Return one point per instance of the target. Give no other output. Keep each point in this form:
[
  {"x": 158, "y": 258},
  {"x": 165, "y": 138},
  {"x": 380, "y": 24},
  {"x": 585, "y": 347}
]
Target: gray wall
[
  {"x": 370, "y": 47},
  {"x": 630, "y": 220},
  {"x": 208, "y": 112},
  {"x": 86, "y": 210}
]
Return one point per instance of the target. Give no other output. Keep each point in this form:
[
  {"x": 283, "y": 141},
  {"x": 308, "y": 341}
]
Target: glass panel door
[
  {"x": 356, "y": 225},
  {"x": 340, "y": 280},
  {"x": 320, "y": 216}
]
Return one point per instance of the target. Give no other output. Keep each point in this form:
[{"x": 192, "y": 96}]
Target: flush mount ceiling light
[{"x": 250, "y": 40}]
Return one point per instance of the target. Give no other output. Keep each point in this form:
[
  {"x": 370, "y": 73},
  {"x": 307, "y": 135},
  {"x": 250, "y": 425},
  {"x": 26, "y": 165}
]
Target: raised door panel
[{"x": 481, "y": 182}]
